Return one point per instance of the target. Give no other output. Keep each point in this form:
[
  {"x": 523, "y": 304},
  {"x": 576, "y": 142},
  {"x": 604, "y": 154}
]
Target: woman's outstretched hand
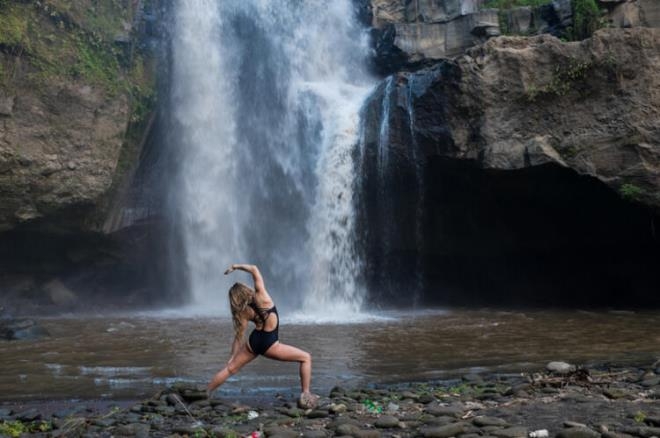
[{"x": 230, "y": 270}]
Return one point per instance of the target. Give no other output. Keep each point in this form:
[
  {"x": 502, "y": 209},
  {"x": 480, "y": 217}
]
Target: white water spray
[{"x": 265, "y": 100}]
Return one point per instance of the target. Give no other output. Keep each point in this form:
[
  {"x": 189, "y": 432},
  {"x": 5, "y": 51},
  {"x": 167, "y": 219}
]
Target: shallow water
[{"x": 135, "y": 356}]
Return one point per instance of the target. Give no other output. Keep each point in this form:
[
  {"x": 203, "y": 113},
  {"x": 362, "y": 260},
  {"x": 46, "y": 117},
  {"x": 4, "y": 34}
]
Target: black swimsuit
[{"x": 261, "y": 340}]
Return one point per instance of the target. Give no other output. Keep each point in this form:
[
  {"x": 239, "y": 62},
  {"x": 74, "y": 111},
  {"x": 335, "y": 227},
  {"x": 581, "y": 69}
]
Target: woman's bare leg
[
  {"x": 288, "y": 353},
  {"x": 241, "y": 358}
]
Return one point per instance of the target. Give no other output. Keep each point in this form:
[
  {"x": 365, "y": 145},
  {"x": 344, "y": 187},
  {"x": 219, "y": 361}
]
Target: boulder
[{"x": 21, "y": 329}]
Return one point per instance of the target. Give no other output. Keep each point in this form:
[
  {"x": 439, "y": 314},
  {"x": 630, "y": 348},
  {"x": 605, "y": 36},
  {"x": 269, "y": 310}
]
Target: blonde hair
[{"x": 240, "y": 297}]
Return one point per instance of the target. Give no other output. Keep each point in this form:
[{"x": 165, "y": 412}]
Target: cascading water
[
  {"x": 265, "y": 101},
  {"x": 391, "y": 190}
]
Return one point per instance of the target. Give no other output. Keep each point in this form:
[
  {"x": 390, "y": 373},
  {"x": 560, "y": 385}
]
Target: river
[{"x": 126, "y": 357}]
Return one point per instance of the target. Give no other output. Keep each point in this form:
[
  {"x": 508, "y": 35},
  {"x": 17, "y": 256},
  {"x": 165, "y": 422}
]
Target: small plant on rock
[{"x": 631, "y": 192}]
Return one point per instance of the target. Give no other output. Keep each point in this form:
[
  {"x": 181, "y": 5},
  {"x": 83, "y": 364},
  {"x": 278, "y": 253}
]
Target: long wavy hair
[{"x": 240, "y": 297}]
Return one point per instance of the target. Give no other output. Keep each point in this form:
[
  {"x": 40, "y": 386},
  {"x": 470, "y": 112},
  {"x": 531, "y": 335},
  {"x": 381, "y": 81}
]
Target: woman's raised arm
[{"x": 254, "y": 271}]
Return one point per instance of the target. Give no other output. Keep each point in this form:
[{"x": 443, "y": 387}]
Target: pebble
[
  {"x": 615, "y": 435},
  {"x": 387, "y": 422},
  {"x": 446, "y": 431},
  {"x": 616, "y": 393},
  {"x": 284, "y": 433},
  {"x": 347, "y": 429},
  {"x": 437, "y": 410},
  {"x": 104, "y": 422},
  {"x": 314, "y": 434},
  {"x": 392, "y": 407},
  {"x": 409, "y": 394},
  {"x": 489, "y": 421},
  {"x": 511, "y": 432},
  {"x": 367, "y": 433},
  {"x": 651, "y": 381},
  {"x": 338, "y": 408},
  {"x": 426, "y": 398},
  {"x": 439, "y": 421},
  {"x": 317, "y": 413},
  {"x": 29, "y": 415},
  {"x": 578, "y": 432},
  {"x": 138, "y": 430},
  {"x": 573, "y": 424},
  {"x": 560, "y": 367},
  {"x": 222, "y": 432}
]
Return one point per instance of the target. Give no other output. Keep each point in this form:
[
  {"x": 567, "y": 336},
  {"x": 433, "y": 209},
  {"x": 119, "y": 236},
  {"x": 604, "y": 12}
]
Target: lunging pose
[{"x": 257, "y": 306}]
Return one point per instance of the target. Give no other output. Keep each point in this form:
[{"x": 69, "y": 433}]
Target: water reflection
[{"x": 134, "y": 357}]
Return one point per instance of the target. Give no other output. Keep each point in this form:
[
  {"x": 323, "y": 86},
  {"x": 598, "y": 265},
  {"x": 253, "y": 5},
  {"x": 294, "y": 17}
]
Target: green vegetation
[
  {"x": 17, "y": 428},
  {"x": 586, "y": 19},
  {"x": 631, "y": 192},
  {"x": 372, "y": 406},
  {"x": 508, "y": 4},
  {"x": 639, "y": 417},
  {"x": 566, "y": 78},
  {"x": 13, "y": 27}
]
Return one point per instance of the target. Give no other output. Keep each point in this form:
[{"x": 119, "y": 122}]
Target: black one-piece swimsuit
[{"x": 261, "y": 340}]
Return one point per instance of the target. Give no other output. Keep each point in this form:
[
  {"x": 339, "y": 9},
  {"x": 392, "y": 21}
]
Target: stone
[
  {"x": 387, "y": 422},
  {"x": 438, "y": 410},
  {"x": 138, "y": 430},
  {"x": 314, "y": 434},
  {"x": 409, "y": 395},
  {"x": 617, "y": 393},
  {"x": 578, "y": 432},
  {"x": 650, "y": 381},
  {"x": 280, "y": 432},
  {"x": 347, "y": 429},
  {"x": 223, "y": 432},
  {"x": 317, "y": 413},
  {"x": 31, "y": 414},
  {"x": 21, "y": 329},
  {"x": 511, "y": 432},
  {"x": 104, "y": 422},
  {"x": 560, "y": 367},
  {"x": 367, "y": 433},
  {"x": 482, "y": 421},
  {"x": 426, "y": 399},
  {"x": 337, "y": 408},
  {"x": 573, "y": 424},
  {"x": 308, "y": 401},
  {"x": 446, "y": 431}
]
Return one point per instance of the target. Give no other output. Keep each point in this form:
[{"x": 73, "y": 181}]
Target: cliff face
[
  {"x": 76, "y": 94},
  {"x": 526, "y": 171},
  {"x": 592, "y": 106},
  {"x": 72, "y": 83}
]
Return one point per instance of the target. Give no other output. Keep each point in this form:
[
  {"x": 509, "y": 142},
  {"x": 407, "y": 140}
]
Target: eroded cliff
[{"x": 77, "y": 87}]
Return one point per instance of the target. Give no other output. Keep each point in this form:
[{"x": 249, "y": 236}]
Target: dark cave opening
[{"x": 535, "y": 237}]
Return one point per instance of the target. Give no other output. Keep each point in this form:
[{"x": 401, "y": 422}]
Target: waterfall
[
  {"x": 265, "y": 106},
  {"x": 417, "y": 160}
]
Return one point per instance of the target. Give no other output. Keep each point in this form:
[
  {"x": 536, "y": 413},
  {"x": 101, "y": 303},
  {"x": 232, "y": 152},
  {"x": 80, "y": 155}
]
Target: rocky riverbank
[{"x": 561, "y": 401}]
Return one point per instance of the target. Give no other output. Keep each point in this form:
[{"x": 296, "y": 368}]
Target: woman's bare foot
[{"x": 308, "y": 400}]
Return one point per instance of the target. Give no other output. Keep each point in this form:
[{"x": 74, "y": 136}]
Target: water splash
[{"x": 265, "y": 102}]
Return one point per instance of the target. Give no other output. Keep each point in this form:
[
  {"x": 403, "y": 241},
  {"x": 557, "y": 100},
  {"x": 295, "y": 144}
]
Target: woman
[{"x": 257, "y": 306}]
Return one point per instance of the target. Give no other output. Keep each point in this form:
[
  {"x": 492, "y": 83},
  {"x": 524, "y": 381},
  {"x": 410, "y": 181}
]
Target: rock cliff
[
  {"x": 525, "y": 170},
  {"x": 76, "y": 94},
  {"x": 512, "y": 103}
]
